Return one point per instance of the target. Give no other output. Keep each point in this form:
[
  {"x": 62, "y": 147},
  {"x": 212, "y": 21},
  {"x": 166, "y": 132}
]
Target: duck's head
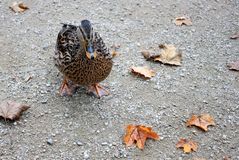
[{"x": 88, "y": 38}]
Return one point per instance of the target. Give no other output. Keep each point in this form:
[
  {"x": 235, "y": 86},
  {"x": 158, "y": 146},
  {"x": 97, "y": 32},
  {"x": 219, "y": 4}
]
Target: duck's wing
[
  {"x": 67, "y": 45},
  {"x": 100, "y": 46}
]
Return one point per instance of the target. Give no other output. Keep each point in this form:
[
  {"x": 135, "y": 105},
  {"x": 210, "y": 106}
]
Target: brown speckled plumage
[{"x": 70, "y": 57}]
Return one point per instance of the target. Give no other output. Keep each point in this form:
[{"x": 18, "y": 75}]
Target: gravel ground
[{"x": 84, "y": 127}]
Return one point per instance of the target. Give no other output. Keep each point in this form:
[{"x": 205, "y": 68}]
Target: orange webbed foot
[
  {"x": 98, "y": 90},
  {"x": 67, "y": 89}
]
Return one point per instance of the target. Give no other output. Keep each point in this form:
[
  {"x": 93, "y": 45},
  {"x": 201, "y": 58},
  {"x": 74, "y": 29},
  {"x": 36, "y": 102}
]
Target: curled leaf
[
  {"x": 169, "y": 55},
  {"x": 187, "y": 145},
  {"x": 18, "y": 7},
  {"x": 148, "y": 56},
  {"x": 179, "y": 21},
  {"x": 143, "y": 71},
  {"x": 12, "y": 110},
  {"x": 201, "y": 121},
  {"x": 138, "y": 134}
]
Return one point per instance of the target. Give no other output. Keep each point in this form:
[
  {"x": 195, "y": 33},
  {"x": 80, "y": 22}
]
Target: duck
[{"x": 83, "y": 58}]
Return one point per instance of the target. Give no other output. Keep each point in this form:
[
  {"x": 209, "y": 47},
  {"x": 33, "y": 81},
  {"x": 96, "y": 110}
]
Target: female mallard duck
[{"x": 82, "y": 57}]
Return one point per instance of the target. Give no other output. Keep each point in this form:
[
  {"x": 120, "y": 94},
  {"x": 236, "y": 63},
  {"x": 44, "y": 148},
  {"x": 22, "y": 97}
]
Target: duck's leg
[
  {"x": 98, "y": 90},
  {"x": 65, "y": 89}
]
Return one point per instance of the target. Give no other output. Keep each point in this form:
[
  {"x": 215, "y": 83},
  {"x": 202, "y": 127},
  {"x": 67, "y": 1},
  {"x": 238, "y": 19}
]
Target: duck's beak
[{"x": 90, "y": 53}]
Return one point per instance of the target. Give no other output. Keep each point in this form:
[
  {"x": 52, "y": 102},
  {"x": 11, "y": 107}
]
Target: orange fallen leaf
[
  {"x": 179, "y": 21},
  {"x": 12, "y": 110},
  {"x": 201, "y": 121},
  {"x": 144, "y": 71},
  {"x": 18, "y": 7},
  {"x": 234, "y": 66},
  {"x": 169, "y": 55},
  {"x": 235, "y": 36},
  {"x": 187, "y": 145},
  {"x": 138, "y": 134}
]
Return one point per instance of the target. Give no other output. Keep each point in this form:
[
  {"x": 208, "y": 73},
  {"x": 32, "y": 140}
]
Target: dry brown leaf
[
  {"x": 18, "y": 7},
  {"x": 169, "y": 55},
  {"x": 143, "y": 71},
  {"x": 12, "y": 110},
  {"x": 138, "y": 134},
  {"x": 187, "y": 145},
  {"x": 235, "y": 36},
  {"x": 201, "y": 121},
  {"x": 148, "y": 56},
  {"x": 182, "y": 21},
  {"x": 234, "y": 66}
]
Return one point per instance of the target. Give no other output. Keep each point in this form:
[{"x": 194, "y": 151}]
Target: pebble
[
  {"x": 44, "y": 101},
  {"x": 104, "y": 143},
  {"x": 50, "y": 141},
  {"x": 86, "y": 155},
  {"x": 79, "y": 143},
  {"x": 224, "y": 136}
]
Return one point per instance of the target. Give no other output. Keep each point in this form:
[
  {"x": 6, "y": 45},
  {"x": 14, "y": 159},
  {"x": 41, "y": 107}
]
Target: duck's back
[{"x": 67, "y": 46}]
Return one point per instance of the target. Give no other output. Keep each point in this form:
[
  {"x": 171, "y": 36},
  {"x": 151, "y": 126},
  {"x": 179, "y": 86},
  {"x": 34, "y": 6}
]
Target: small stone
[
  {"x": 44, "y": 101},
  {"x": 86, "y": 155},
  {"x": 104, "y": 143},
  {"x": 204, "y": 101},
  {"x": 79, "y": 143},
  {"x": 224, "y": 136},
  {"x": 66, "y": 115},
  {"x": 50, "y": 141}
]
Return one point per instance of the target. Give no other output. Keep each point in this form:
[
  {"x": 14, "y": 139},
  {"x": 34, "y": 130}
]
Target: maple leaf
[
  {"x": 179, "y": 21},
  {"x": 187, "y": 145},
  {"x": 235, "y": 36},
  {"x": 201, "y": 121},
  {"x": 12, "y": 110},
  {"x": 18, "y": 7},
  {"x": 234, "y": 66},
  {"x": 169, "y": 55},
  {"x": 144, "y": 71},
  {"x": 138, "y": 134}
]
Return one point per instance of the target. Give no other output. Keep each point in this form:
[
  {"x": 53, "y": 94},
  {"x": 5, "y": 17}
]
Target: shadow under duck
[{"x": 82, "y": 57}]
